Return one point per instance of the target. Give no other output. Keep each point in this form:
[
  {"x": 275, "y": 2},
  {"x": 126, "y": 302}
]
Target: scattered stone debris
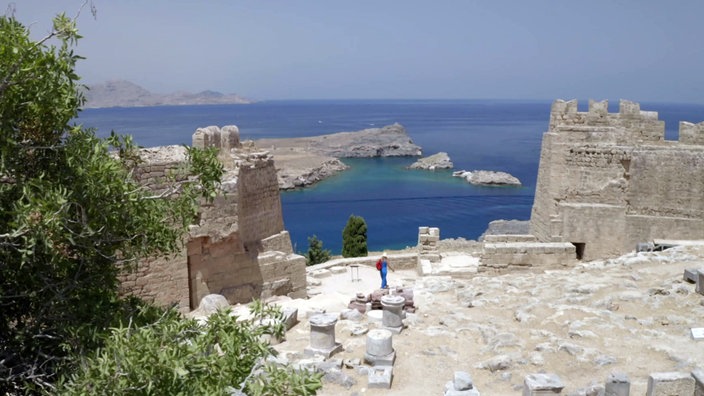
[{"x": 363, "y": 303}]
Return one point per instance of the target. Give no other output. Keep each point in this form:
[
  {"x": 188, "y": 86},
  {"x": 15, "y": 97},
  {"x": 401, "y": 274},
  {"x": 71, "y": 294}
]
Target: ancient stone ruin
[
  {"x": 238, "y": 246},
  {"x": 608, "y": 181}
]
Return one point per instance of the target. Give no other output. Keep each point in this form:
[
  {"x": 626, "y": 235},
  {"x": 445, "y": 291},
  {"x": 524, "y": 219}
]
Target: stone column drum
[
  {"x": 392, "y": 316},
  {"x": 322, "y": 336},
  {"x": 380, "y": 350}
]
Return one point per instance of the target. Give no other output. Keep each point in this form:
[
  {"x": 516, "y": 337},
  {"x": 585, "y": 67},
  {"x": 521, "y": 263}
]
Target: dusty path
[{"x": 632, "y": 315}]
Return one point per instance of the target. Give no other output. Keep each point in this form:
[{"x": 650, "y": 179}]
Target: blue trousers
[{"x": 383, "y": 278}]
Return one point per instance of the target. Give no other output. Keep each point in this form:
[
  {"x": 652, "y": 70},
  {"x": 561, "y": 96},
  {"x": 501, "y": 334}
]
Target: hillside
[{"x": 120, "y": 93}]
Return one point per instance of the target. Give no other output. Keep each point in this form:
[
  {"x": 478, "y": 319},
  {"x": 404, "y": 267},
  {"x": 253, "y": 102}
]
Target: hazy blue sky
[{"x": 643, "y": 50}]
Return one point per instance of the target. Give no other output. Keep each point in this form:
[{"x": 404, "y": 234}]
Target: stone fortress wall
[
  {"x": 238, "y": 246},
  {"x": 608, "y": 181}
]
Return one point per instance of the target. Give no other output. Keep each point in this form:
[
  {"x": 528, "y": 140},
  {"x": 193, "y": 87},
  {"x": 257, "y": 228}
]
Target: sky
[{"x": 641, "y": 50}]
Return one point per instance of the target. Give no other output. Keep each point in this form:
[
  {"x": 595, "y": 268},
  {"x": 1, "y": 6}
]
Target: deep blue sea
[{"x": 477, "y": 134}]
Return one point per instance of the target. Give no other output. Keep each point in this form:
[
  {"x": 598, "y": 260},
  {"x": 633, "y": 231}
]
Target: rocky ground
[{"x": 632, "y": 314}]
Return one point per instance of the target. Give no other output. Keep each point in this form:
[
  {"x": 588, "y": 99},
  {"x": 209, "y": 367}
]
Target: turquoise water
[
  {"x": 395, "y": 201},
  {"x": 477, "y": 134}
]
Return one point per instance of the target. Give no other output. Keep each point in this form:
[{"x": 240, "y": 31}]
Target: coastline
[{"x": 301, "y": 162}]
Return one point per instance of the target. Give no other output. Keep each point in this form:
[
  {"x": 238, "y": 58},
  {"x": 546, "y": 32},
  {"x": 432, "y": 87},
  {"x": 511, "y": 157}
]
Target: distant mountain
[{"x": 122, "y": 93}]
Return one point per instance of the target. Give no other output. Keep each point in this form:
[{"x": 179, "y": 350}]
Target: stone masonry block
[
  {"x": 462, "y": 381},
  {"x": 542, "y": 384},
  {"x": 617, "y": 384},
  {"x": 698, "y": 375},
  {"x": 468, "y": 392},
  {"x": 670, "y": 383},
  {"x": 380, "y": 377},
  {"x": 690, "y": 275}
]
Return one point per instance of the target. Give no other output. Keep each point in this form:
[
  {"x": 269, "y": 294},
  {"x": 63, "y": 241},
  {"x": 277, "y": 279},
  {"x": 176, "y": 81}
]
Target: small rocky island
[
  {"x": 436, "y": 161},
  {"x": 488, "y": 178},
  {"x": 303, "y": 161}
]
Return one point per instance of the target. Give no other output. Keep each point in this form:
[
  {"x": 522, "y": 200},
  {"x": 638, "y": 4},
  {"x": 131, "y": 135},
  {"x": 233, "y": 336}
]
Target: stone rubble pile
[{"x": 364, "y": 302}]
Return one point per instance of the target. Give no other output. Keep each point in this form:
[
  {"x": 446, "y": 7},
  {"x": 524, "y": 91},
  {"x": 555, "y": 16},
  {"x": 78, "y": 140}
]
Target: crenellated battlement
[
  {"x": 629, "y": 125},
  {"x": 225, "y": 138},
  {"x": 691, "y": 133},
  {"x": 597, "y": 109}
]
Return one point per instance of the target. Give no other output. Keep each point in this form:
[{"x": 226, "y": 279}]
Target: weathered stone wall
[
  {"x": 495, "y": 238},
  {"x": 515, "y": 252},
  {"x": 282, "y": 274},
  {"x": 164, "y": 280},
  {"x": 259, "y": 199},
  {"x": 609, "y": 180},
  {"x": 280, "y": 242},
  {"x": 212, "y": 269},
  {"x": 237, "y": 246},
  {"x": 691, "y": 133},
  {"x": 398, "y": 261}
]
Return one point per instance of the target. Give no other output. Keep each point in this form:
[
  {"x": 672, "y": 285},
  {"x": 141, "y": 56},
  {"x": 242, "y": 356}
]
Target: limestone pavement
[{"x": 630, "y": 315}]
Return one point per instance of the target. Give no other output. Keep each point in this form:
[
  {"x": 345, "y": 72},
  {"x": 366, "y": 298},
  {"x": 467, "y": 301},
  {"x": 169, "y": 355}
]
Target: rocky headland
[
  {"x": 303, "y": 161},
  {"x": 484, "y": 177},
  {"x": 436, "y": 161},
  {"x": 121, "y": 93}
]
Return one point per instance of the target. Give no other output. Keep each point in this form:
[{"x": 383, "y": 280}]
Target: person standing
[{"x": 383, "y": 266}]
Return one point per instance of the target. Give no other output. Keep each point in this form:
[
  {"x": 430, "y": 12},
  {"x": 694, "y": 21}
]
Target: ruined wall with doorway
[
  {"x": 237, "y": 246},
  {"x": 607, "y": 181}
]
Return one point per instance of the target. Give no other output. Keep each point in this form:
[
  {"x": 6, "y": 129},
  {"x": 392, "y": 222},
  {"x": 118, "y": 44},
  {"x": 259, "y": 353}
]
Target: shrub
[
  {"x": 177, "y": 356},
  {"x": 72, "y": 214},
  {"x": 316, "y": 254}
]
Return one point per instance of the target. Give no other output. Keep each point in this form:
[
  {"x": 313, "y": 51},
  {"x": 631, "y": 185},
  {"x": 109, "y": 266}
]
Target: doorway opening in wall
[
  {"x": 579, "y": 248},
  {"x": 190, "y": 285}
]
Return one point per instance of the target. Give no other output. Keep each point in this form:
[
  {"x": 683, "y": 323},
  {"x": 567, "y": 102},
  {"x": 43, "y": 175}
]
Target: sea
[{"x": 498, "y": 135}]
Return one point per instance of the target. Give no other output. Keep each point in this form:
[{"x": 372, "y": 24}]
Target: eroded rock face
[
  {"x": 484, "y": 177},
  {"x": 290, "y": 177},
  {"x": 436, "y": 161},
  {"x": 507, "y": 227}
]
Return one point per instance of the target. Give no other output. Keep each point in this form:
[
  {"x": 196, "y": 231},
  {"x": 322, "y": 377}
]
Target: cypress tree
[{"x": 354, "y": 237}]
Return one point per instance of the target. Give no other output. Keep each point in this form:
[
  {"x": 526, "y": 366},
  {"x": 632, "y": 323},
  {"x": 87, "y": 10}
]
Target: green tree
[
  {"x": 316, "y": 254},
  {"x": 354, "y": 237},
  {"x": 177, "y": 356},
  {"x": 73, "y": 216}
]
